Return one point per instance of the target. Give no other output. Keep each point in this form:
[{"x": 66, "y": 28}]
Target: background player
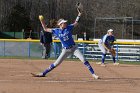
[
  {"x": 46, "y": 39},
  {"x": 64, "y": 33},
  {"x": 106, "y": 44}
]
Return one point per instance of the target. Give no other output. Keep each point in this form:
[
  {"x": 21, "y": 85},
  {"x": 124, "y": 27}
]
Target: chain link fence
[{"x": 125, "y": 51}]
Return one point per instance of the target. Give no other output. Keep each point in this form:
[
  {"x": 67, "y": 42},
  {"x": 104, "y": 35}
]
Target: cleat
[
  {"x": 95, "y": 76},
  {"x": 115, "y": 64},
  {"x": 38, "y": 75}
]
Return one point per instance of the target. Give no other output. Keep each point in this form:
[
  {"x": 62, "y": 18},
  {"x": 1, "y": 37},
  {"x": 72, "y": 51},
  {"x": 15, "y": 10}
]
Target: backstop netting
[{"x": 122, "y": 26}]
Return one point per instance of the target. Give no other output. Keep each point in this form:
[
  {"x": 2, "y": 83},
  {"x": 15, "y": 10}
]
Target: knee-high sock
[
  {"x": 103, "y": 58},
  {"x": 89, "y": 67},
  {"x": 114, "y": 59},
  {"x": 51, "y": 67}
]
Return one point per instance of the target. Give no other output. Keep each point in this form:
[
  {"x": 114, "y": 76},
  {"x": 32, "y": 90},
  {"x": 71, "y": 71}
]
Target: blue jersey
[
  {"x": 108, "y": 40},
  {"x": 65, "y": 35}
]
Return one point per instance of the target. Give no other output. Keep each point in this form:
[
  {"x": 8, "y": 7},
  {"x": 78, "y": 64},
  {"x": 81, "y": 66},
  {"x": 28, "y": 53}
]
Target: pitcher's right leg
[{"x": 62, "y": 56}]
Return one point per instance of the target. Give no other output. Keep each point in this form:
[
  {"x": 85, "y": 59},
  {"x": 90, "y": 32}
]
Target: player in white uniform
[
  {"x": 106, "y": 45},
  {"x": 64, "y": 33}
]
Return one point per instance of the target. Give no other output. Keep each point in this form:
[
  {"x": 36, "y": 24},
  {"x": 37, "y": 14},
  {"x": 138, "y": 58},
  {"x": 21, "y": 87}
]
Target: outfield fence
[{"x": 126, "y": 50}]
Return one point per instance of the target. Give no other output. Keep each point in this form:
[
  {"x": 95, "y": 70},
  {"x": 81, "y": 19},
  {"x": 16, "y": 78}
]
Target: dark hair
[{"x": 52, "y": 23}]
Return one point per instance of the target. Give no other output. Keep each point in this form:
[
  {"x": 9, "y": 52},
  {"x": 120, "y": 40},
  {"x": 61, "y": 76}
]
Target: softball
[{"x": 41, "y": 17}]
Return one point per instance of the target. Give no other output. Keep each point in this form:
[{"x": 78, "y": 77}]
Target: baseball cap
[
  {"x": 60, "y": 21},
  {"x": 110, "y": 30}
]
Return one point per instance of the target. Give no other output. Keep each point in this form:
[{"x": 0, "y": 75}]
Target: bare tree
[{"x": 55, "y": 9}]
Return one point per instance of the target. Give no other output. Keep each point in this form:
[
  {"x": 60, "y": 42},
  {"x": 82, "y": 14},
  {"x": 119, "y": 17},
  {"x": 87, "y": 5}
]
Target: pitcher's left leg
[{"x": 78, "y": 54}]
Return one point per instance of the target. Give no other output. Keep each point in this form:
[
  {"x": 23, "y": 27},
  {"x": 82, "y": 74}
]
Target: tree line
[{"x": 16, "y": 15}]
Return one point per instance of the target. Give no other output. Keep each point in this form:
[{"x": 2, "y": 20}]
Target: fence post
[
  {"x": 83, "y": 48},
  {"x": 22, "y": 33},
  {"x": 4, "y": 48},
  {"x": 29, "y": 54},
  {"x": 117, "y": 49}
]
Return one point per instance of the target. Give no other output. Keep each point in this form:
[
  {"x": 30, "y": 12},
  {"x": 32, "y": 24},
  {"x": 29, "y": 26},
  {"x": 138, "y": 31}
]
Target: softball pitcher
[
  {"x": 64, "y": 33},
  {"x": 106, "y": 45}
]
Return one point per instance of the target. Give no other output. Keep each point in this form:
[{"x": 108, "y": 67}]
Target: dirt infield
[{"x": 69, "y": 77}]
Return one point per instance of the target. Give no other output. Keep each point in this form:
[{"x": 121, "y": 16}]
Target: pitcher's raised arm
[{"x": 41, "y": 18}]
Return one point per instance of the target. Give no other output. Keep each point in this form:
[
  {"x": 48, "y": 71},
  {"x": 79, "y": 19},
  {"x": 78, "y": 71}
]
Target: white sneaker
[
  {"x": 115, "y": 64},
  {"x": 95, "y": 76}
]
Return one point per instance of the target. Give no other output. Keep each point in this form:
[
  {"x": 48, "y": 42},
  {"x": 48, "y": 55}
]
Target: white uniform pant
[
  {"x": 104, "y": 51},
  {"x": 66, "y": 52}
]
